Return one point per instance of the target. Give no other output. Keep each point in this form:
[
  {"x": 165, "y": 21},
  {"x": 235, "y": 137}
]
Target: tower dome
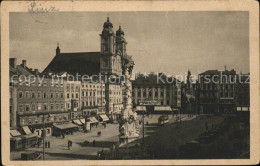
[{"x": 119, "y": 32}]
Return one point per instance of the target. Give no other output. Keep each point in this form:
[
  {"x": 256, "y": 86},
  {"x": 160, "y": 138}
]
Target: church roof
[{"x": 73, "y": 63}]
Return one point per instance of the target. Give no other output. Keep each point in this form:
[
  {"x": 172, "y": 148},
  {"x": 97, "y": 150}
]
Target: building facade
[
  {"x": 220, "y": 91},
  {"x": 149, "y": 89},
  {"x": 38, "y": 101},
  {"x": 92, "y": 98},
  {"x": 242, "y": 92}
]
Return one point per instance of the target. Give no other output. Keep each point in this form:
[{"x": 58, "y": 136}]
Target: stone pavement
[{"x": 59, "y": 147}]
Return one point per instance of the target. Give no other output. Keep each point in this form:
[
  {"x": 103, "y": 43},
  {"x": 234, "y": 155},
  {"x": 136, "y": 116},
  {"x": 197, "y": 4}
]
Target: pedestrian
[
  {"x": 69, "y": 144},
  {"x": 206, "y": 125},
  {"x": 94, "y": 143}
]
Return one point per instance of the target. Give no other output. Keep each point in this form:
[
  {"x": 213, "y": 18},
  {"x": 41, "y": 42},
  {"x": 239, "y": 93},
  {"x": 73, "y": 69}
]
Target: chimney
[
  {"x": 12, "y": 62},
  {"x": 36, "y": 71},
  {"x": 24, "y": 63}
]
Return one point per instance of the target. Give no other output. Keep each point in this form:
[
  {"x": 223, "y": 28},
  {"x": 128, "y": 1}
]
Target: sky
[{"x": 169, "y": 42}]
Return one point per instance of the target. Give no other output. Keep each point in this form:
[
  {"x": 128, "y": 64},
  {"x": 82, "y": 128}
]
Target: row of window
[
  {"x": 91, "y": 103},
  {"x": 94, "y": 86},
  {"x": 115, "y": 100},
  {"x": 71, "y": 95},
  {"x": 40, "y": 107},
  {"x": 35, "y": 120},
  {"x": 150, "y": 94},
  {"x": 155, "y": 88},
  {"x": 72, "y": 87},
  {"x": 89, "y": 93},
  {"x": 52, "y": 84},
  {"x": 213, "y": 87},
  {"x": 115, "y": 92},
  {"x": 39, "y": 94}
]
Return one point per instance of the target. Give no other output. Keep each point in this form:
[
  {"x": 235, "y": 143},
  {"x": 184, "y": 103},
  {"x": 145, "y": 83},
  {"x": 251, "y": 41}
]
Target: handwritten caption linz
[{"x": 38, "y": 8}]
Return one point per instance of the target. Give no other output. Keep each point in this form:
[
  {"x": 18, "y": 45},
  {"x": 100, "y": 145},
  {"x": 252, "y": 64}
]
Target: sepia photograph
[{"x": 83, "y": 83}]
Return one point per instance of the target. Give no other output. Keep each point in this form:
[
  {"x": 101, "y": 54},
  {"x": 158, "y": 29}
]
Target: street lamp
[{"x": 43, "y": 135}]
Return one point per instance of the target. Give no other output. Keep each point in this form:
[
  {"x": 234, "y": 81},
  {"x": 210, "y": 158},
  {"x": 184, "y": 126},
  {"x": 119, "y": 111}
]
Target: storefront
[
  {"x": 15, "y": 140},
  {"x": 140, "y": 110},
  {"x": 61, "y": 129},
  {"x": 91, "y": 110}
]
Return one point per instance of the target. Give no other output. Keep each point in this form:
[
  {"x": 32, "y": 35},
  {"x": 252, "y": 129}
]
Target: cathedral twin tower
[
  {"x": 113, "y": 47},
  {"x": 107, "y": 61}
]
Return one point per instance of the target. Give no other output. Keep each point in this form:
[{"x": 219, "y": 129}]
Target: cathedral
[{"x": 107, "y": 62}]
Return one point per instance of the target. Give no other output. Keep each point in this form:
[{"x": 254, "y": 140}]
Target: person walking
[
  {"x": 206, "y": 126},
  {"x": 69, "y": 144},
  {"x": 94, "y": 143}
]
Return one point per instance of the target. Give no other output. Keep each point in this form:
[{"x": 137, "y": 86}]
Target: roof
[
  {"x": 73, "y": 63},
  {"x": 216, "y": 72},
  {"x": 65, "y": 126},
  {"x": 20, "y": 70},
  {"x": 210, "y": 72}
]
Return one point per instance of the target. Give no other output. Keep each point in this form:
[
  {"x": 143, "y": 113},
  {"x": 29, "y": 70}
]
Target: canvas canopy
[
  {"x": 140, "y": 108},
  {"x": 77, "y": 122},
  {"x": 14, "y": 133},
  {"x": 104, "y": 117},
  {"x": 27, "y": 130},
  {"x": 162, "y": 108},
  {"x": 65, "y": 126}
]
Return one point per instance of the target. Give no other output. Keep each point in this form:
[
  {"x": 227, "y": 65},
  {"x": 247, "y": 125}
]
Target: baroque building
[{"x": 106, "y": 64}]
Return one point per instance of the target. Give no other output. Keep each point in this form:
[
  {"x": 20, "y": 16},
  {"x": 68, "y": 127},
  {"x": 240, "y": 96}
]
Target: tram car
[{"x": 163, "y": 120}]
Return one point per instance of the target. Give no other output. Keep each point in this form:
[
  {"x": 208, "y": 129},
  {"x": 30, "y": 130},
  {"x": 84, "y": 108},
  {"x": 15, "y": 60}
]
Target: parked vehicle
[{"x": 163, "y": 120}]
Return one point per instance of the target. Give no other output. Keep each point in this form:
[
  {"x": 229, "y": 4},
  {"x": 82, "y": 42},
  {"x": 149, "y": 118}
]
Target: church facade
[{"x": 106, "y": 63}]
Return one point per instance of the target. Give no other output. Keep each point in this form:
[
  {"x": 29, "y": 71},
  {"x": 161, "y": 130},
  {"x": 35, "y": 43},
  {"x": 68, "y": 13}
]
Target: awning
[
  {"x": 30, "y": 135},
  {"x": 93, "y": 120},
  {"x": 77, "y": 122},
  {"x": 104, "y": 117},
  {"x": 162, "y": 108},
  {"x": 27, "y": 130},
  {"x": 140, "y": 108},
  {"x": 82, "y": 121},
  {"x": 65, "y": 126},
  {"x": 14, "y": 133}
]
